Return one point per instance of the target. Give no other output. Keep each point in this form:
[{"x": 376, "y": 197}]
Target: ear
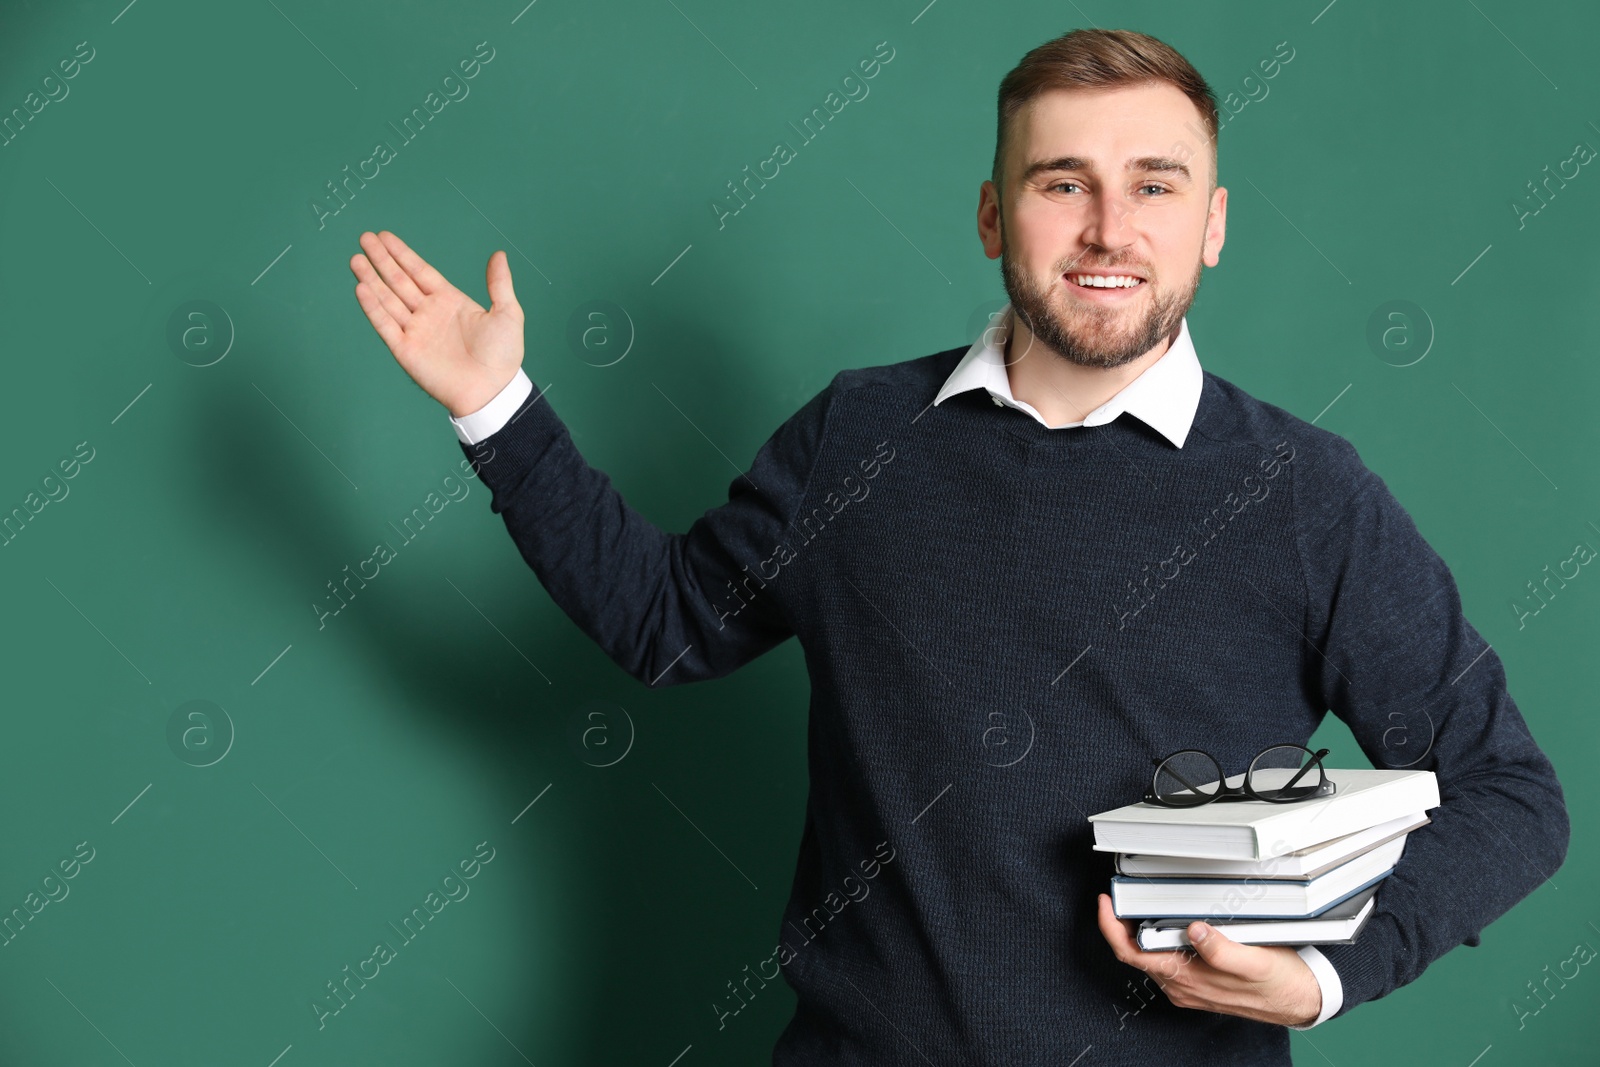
[
  {"x": 1216, "y": 227},
  {"x": 989, "y": 219}
]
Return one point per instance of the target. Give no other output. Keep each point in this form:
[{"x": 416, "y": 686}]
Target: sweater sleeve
[
  {"x": 668, "y": 608},
  {"x": 1394, "y": 657}
]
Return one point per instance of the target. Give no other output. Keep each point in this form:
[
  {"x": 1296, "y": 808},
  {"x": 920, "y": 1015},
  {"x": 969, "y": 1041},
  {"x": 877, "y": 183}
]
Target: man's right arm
[{"x": 668, "y": 608}]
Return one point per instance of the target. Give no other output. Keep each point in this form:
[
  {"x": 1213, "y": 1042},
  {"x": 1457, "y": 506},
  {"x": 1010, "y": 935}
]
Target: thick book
[
  {"x": 1260, "y": 829},
  {"x": 1339, "y": 925},
  {"x": 1251, "y": 898},
  {"x": 1307, "y": 862}
]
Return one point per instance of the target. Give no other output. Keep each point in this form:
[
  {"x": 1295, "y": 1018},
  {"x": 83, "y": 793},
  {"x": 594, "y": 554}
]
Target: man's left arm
[{"x": 1394, "y": 657}]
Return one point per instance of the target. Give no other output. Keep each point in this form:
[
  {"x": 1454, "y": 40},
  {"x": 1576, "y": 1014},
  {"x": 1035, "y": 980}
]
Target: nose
[{"x": 1109, "y": 222}]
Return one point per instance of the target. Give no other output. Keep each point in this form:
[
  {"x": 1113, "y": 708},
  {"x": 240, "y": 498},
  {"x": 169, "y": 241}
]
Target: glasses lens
[
  {"x": 1187, "y": 778},
  {"x": 1284, "y": 773}
]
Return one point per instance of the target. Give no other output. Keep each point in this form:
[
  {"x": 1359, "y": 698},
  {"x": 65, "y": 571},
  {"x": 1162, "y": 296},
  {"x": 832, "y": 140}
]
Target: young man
[{"x": 1070, "y": 533}]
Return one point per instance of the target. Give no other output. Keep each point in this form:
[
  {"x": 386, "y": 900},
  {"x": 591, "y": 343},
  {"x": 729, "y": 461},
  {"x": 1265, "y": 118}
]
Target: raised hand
[{"x": 460, "y": 354}]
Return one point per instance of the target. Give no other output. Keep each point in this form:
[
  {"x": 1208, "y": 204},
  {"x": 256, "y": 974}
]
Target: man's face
[{"x": 1074, "y": 206}]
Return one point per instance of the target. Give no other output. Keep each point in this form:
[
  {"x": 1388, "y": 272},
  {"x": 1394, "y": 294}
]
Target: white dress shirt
[{"x": 1164, "y": 396}]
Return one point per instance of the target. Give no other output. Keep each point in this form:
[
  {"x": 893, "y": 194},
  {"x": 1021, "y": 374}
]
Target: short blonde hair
[{"x": 1100, "y": 59}]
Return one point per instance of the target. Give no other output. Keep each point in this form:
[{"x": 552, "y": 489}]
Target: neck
[{"x": 1062, "y": 391}]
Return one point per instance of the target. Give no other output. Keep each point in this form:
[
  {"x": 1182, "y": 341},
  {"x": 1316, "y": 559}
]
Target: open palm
[{"x": 460, "y": 354}]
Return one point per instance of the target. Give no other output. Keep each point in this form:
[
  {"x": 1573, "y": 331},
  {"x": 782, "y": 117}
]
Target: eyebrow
[{"x": 1160, "y": 164}]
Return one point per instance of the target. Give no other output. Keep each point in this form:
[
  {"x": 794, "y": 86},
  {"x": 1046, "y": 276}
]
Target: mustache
[{"x": 1076, "y": 263}]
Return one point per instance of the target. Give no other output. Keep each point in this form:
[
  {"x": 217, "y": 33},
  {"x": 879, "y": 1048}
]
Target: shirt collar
[{"x": 1164, "y": 396}]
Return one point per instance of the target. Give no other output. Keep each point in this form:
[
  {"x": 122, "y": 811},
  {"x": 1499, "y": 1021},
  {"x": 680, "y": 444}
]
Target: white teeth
[{"x": 1098, "y": 281}]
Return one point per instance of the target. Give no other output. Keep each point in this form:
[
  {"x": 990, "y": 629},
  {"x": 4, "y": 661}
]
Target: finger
[
  {"x": 425, "y": 277},
  {"x": 362, "y": 267},
  {"x": 501, "y": 295},
  {"x": 387, "y": 328},
  {"x": 394, "y": 275},
  {"x": 1115, "y": 930},
  {"x": 1121, "y": 937}
]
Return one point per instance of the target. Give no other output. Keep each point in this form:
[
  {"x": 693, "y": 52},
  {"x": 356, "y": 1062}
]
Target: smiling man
[{"x": 978, "y": 685}]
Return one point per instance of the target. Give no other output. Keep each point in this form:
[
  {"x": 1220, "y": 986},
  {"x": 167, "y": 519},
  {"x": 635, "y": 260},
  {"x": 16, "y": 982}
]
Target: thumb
[
  {"x": 1211, "y": 945},
  {"x": 501, "y": 295}
]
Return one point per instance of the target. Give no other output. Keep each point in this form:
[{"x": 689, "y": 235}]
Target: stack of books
[{"x": 1302, "y": 873}]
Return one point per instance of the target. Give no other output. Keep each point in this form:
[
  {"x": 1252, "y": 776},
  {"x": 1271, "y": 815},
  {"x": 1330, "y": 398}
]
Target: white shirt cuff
[
  {"x": 1328, "y": 979},
  {"x": 489, "y": 419}
]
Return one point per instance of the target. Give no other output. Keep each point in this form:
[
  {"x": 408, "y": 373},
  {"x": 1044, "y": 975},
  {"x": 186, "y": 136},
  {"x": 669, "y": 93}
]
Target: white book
[
  {"x": 1251, "y": 898},
  {"x": 1339, "y": 925},
  {"x": 1258, "y": 829},
  {"x": 1306, "y": 862}
]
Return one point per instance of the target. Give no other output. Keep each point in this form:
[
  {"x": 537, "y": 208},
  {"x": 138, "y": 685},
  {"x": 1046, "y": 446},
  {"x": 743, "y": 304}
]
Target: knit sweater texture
[{"x": 1003, "y": 625}]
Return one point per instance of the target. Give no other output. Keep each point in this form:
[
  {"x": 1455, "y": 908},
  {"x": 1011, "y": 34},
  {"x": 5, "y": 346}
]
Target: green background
[{"x": 352, "y": 765}]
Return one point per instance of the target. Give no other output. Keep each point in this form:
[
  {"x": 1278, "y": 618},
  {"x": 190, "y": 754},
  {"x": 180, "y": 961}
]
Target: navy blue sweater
[{"x": 1003, "y": 624}]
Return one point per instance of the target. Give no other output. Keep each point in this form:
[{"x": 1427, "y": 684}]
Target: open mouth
[{"x": 1108, "y": 283}]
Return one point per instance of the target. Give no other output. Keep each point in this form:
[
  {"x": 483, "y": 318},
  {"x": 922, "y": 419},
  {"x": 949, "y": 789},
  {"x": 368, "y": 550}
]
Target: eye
[
  {"x": 1152, "y": 185},
  {"x": 1059, "y": 184}
]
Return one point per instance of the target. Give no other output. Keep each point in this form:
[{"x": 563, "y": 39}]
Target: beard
[{"x": 1090, "y": 335}]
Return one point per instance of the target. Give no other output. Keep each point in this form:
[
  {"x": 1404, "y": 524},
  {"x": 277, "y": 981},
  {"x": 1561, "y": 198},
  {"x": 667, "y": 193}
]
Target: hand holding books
[{"x": 1294, "y": 858}]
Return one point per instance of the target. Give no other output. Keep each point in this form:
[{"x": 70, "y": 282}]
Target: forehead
[{"x": 1108, "y": 127}]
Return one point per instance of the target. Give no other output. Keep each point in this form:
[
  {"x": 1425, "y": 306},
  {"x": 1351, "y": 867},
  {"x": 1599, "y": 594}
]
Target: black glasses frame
[{"x": 1247, "y": 790}]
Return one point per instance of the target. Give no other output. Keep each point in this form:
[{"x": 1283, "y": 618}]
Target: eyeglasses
[{"x": 1190, "y": 777}]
